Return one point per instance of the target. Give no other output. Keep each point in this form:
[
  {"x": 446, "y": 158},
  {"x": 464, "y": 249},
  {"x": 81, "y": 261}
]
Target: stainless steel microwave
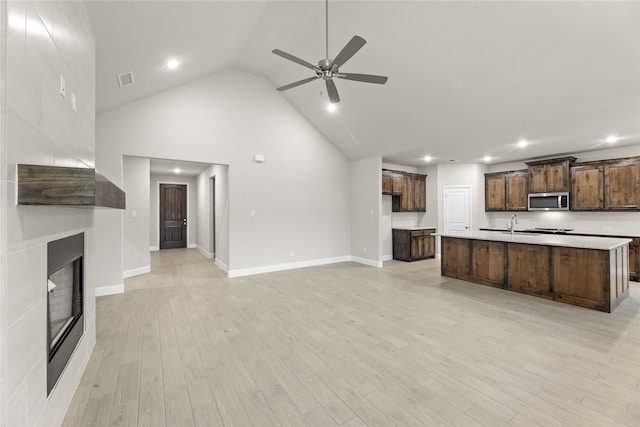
[{"x": 549, "y": 201}]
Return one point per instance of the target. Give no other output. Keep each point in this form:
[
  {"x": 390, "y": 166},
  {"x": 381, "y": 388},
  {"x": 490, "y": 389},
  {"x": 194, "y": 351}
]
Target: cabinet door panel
[
  {"x": 419, "y": 188},
  {"x": 587, "y": 183},
  {"x": 557, "y": 177},
  {"x": 622, "y": 185},
  {"x": 457, "y": 261},
  {"x": 517, "y": 189},
  {"x": 489, "y": 262},
  {"x": 495, "y": 193},
  {"x": 386, "y": 184},
  {"x": 538, "y": 179},
  {"x": 579, "y": 272},
  {"x": 529, "y": 268}
]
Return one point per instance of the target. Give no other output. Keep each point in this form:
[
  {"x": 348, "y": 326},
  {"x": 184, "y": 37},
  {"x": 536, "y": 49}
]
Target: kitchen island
[{"x": 591, "y": 272}]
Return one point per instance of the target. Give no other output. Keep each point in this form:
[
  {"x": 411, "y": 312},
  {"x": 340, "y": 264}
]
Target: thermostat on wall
[{"x": 259, "y": 158}]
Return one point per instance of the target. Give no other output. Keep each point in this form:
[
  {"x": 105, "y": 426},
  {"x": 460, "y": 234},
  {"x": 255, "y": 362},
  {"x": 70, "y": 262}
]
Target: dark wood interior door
[{"x": 173, "y": 216}]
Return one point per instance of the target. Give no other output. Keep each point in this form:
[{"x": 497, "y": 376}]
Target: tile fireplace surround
[{"x": 45, "y": 40}]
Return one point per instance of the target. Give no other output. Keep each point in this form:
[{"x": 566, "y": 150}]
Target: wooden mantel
[{"x": 66, "y": 186}]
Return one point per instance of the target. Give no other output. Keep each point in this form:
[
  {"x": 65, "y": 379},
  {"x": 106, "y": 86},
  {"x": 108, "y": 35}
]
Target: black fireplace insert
[{"x": 65, "y": 289}]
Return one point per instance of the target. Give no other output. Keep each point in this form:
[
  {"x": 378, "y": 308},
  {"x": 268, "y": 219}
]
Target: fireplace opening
[{"x": 65, "y": 289}]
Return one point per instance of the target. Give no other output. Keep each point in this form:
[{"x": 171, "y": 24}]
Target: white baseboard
[
  {"x": 387, "y": 257},
  {"x": 365, "y": 261},
  {"x": 222, "y": 265},
  {"x": 288, "y": 266},
  {"x": 204, "y": 252},
  {"x": 109, "y": 290},
  {"x": 136, "y": 271},
  {"x": 191, "y": 246},
  {"x": 154, "y": 248}
]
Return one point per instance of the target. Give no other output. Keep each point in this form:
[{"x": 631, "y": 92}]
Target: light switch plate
[{"x": 74, "y": 104}]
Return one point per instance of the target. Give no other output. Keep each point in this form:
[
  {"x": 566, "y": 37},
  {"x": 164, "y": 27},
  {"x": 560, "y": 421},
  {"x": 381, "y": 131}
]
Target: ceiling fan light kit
[{"x": 327, "y": 68}]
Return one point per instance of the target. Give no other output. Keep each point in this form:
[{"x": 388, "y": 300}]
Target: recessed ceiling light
[
  {"x": 611, "y": 139},
  {"x": 331, "y": 107},
  {"x": 522, "y": 143},
  {"x": 427, "y": 158},
  {"x": 177, "y": 170},
  {"x": 173, "y": 64},
  {"x": 487, "y": 158}
]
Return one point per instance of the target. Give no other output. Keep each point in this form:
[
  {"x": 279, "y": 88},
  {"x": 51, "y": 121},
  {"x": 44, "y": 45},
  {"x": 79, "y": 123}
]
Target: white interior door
[{"x": 457, "y": 209}]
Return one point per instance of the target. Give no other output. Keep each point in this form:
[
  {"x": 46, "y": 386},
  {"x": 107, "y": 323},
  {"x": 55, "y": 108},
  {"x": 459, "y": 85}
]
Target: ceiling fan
[{"x": 327, "y": 68}]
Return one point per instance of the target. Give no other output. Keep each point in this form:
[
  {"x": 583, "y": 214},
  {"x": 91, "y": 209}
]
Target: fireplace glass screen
[
  {"x": 65, "y": 300},
  {"x": 65, "y": 322}
]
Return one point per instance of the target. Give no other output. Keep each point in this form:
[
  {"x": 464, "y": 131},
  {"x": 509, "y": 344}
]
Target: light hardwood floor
[{"x": 352, "y": 345}]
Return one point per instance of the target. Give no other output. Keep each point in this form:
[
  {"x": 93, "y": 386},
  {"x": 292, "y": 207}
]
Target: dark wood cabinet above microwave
[{"x": 550, "y": 175}]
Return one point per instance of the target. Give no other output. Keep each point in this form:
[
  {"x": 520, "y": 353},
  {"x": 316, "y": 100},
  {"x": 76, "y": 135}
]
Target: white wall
[
  {"x": 43, "y": 41},
  {"x": 300, "y": 194},
  {"x": 136, "y": 184},
  {"x": 206, "y": 209},
  {"x": 154, "y": 207},
  {"x": 204, "y": 236},
  {"x": 366, "y": 204},
  {"x": 590, "y": 222}
]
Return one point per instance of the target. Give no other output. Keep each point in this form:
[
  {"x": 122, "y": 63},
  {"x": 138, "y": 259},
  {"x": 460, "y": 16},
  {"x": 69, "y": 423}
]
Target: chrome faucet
[{"x": 513, "y": 228}]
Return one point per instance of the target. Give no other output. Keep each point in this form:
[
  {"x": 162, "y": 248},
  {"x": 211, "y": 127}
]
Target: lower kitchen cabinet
[{"x": 413, "y": 244}]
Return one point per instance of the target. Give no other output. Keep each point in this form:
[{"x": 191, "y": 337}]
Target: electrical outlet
[
  {"x": 134, "y": 214},
  {"x": 290, "y": 253},
  {"x": 62, "y": 86},
  {"x": 365, "y": 250},
  {"x": 253, "y": 213}
]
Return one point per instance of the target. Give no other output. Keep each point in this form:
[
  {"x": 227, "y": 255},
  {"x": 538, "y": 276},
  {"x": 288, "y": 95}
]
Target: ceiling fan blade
[
  {"x": 298, "y": 83},
  {"x": 349, "y": 50},
  {"x": 295, "y": 59},
  {"x": 367, "y": 78},
  {"x": 332, "y": 91}
]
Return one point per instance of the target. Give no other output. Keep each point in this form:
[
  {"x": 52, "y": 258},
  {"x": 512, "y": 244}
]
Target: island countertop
[
  {"x": 565, "y": 240},
  {"x": 405, "y": 227}
]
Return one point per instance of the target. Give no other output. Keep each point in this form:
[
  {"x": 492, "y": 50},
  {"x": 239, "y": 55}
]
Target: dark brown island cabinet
[
  {"x": 592, "y": 277},
  {"x": 413, "y": 244}
]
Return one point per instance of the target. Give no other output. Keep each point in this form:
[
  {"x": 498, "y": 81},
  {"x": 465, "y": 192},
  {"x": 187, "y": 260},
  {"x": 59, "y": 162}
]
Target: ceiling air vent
[{"x": 125, "y": 79}]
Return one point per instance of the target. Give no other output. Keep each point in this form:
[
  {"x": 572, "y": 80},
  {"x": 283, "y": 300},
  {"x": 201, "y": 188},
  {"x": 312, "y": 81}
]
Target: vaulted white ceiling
[{"x": 466, "y": 78}]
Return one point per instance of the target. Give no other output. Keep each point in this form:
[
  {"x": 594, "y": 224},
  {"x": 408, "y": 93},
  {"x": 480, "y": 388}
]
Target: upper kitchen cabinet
[
  {"x": 391, "y": 183},
  {"x": 622, "y": 184},
  {"x": 494, "y": 191},
  {"x": 517, "y": 184},
  {"x": 408, "y": 190},
  {"x": 550, "y": 175},
  {"x": 587, "y": 187},
  {"x": 506, "y": 191}
]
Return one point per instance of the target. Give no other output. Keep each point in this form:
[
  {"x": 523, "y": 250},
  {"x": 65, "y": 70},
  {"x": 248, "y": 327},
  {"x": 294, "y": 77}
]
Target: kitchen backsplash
[{"x": 592, "y": 222}]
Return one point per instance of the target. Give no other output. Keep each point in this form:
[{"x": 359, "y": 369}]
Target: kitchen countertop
[
  {"x": 411, "y": 228},
  {"x": 566, "y": 240},
  {"x": 573, "y": 232}
]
